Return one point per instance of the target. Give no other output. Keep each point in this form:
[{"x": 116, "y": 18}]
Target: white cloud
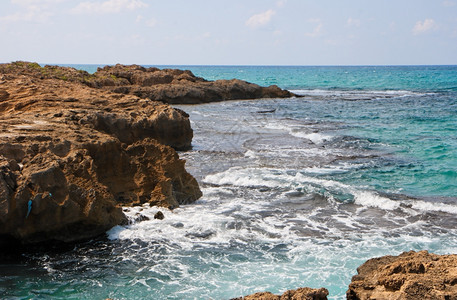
[
  {"x": 353, "y": 22},
  {"x": 261, "y": 19},
  {"x": 424, "y": 27},
  {"x": 107, "y": 7},
  {"x": 317, "y": 31},
  {"x": 448, "y": 3},
  {"x": 35, "y": 2},
  {"x": 36, "y": 11},
  {"x": 34, "y": 16},
  {"x": 281, "y": 3}
]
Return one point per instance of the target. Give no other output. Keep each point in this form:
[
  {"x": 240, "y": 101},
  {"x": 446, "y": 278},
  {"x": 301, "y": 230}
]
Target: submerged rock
[
  {"x": 298, "y": 294},
  {"x": 411, "y": 275},
  {"x": 71, "y": 156}
]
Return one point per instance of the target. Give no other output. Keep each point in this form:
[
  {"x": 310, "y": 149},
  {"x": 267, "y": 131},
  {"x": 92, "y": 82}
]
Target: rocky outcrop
[
  {"x": 411, "y": 275},
  {"x": 168, "y": 85},
  {"x": 179, "y": 87},
  {"x": 298, "y": 294},
  {"x": 71, "y": 156}
]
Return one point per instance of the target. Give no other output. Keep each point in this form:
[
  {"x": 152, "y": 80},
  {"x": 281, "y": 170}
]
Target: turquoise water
[{"x": 363, "y": 165}]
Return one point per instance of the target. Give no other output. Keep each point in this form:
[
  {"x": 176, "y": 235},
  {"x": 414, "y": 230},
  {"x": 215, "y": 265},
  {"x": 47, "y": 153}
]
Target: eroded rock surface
[
  {"x": 298, "y": 294},
  {"x": 411, "y": 275},
  {"x": 179, "y": 87},
  {"x": 71, "y": 156},
  {"x": 167, "y": 85}
]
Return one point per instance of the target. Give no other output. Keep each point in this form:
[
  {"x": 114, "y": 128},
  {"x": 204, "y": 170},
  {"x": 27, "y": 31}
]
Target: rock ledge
[{"x": 71, "y": 156}]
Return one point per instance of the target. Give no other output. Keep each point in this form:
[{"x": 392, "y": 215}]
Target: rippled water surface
[{"x": 296, "y": 192}]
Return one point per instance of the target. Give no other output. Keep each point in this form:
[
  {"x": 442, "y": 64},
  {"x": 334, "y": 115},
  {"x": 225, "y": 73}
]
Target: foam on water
[
  {"x": 251, "y": 244},
  {"x": 296, "y": 131},
  {"x": 355, "y": 95},
  {"x": 274, "y": 178},
  {"x": 298, "y": 197}
]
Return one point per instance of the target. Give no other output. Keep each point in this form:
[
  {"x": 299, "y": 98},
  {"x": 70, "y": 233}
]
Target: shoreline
[{"x": 39, "y": 130}]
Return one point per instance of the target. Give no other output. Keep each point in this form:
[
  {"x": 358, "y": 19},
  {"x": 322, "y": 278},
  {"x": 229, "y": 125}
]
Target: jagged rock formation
[
  {"x": 169, "y": 85},
  {"x": 71, "y": 156},
  {"x": 298, "y": 294},
  {"x": 411, "y": 275},
  {"x": 176, "y": 86}
]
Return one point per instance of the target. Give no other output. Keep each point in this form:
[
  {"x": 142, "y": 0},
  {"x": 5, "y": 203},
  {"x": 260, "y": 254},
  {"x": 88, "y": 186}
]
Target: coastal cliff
[{"x": 71, "y": 156}]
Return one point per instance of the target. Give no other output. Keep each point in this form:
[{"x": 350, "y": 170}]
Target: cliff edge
[{"x": 71, "y": 156}]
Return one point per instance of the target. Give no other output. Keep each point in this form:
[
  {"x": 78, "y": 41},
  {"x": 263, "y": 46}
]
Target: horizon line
[{"x": 255, "y": 65}]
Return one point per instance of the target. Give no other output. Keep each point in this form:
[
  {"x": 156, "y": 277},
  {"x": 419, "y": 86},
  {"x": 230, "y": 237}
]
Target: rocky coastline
[
  {"x": 408, "y": 276},
  {"x": 77, "y": 147}
]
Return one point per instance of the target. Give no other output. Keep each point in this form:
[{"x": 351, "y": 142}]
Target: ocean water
[{"x": 296, "y": 192}]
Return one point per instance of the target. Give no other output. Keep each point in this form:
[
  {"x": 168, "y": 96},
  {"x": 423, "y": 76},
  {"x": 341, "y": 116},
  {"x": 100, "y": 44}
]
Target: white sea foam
[
  {"x": 273, "y": 178},
  {"x": 432, "y": 206},
  {"x": 300, "y": 132},
  {"x": 250, "y": 154},
  {"x": 315, "y": 137},
  {"x": 355, "y": 95}
]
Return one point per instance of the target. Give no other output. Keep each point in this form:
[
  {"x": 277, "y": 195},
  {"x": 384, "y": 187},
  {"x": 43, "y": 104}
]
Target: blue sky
[{"x": 230, "y": 32}]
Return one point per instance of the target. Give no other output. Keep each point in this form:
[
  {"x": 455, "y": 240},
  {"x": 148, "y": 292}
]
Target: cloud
[
  {"x": 261, "y": 19},
  {"x": 448, "y": 3},
  {"x": 353, "y": 22},
  {"x": 107, "y": 7},
  {"x": 35, "y": 2},
  {"x": 281, "y": 3},
  {"x": 34, "y": 16},
  {"x": 317, "y": 31},
  {"x": 423, "y": 27},
  {"x": 35, "y": 11}
]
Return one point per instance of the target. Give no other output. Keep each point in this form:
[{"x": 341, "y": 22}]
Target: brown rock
[
  {"x": 411, "y": 275},
  {"x": 298, "y": 294},
  {"x": 159, "y": 215},
  {"x": 79, "y": 154},
  {"x": 182, "y": 87},
  {"x": 3, "y": 95},
  {"x": 167, "y": 85}
]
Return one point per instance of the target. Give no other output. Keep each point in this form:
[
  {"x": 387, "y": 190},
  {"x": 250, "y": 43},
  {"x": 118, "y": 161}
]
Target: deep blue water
[{"x": 364, "y": 165}]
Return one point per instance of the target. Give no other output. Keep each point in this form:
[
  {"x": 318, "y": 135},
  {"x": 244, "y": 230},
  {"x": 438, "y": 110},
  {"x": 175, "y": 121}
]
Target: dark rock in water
[
  {"x": 298, "y": 294},
  {"x": 266, "y": 111},
  {"x": 294, "y": 194},
  {"x": 140, "y": 218},
  {"x": 159, "y": 215},
  {"x": 411, "y": 275},
  {"x": 71, "y": 156}
]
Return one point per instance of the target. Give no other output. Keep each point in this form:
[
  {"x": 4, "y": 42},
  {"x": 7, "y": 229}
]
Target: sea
[{"x": 297, "y": 192}]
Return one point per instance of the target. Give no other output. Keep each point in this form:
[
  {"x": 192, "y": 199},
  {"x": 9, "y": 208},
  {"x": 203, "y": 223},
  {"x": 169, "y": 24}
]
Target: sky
[{"x": 230, "y": 32}]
